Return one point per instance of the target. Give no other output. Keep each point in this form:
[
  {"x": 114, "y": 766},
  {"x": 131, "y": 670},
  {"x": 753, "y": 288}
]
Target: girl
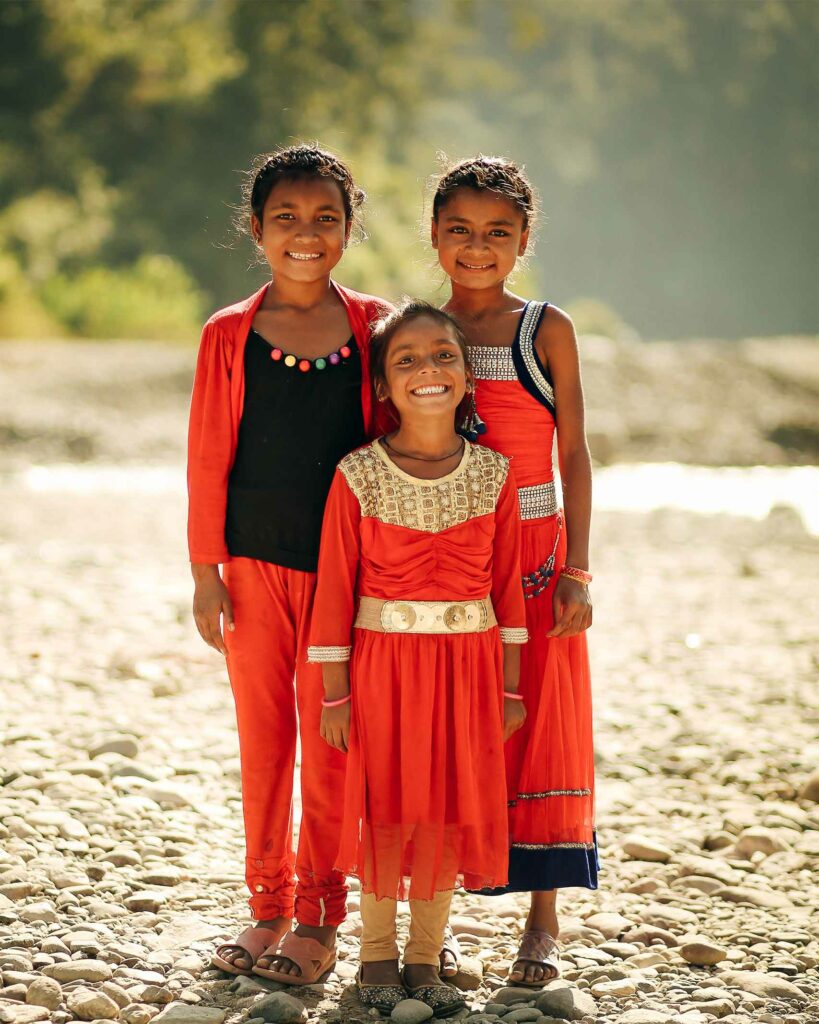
[
  {"x": 419, "y": 563},
  {"x": 528, "y": 384},
  {"x": 281, "y": 392}
]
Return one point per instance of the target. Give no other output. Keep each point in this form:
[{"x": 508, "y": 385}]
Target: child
[
  {"x": 527, "y": 384},
  {"x": 419, "y": 562},
  {"x": 282, "y": 391}
]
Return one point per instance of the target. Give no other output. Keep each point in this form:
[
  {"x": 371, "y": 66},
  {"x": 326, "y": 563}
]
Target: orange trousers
[{"x": 267, "y": 654}]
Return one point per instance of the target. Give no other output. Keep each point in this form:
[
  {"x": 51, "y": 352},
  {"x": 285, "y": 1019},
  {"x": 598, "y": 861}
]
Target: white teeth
[
  {"x": 432, "y": 389},
  {"x": 304, "y": 255},
  {"x": 476, "y": 266}
]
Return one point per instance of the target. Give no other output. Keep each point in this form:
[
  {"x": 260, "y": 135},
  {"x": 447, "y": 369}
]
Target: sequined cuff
[
  {"x": 318, "y": 655},
  {"x": 514, "y": 635}
]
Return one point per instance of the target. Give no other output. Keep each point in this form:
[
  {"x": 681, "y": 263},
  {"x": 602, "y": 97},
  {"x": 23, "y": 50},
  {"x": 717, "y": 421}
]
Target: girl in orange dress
[
  {"x": 418, "y": 622},
  {"x": 528, "y": 385}
]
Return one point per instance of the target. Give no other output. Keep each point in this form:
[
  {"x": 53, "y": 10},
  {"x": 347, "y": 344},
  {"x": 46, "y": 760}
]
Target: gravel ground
[{"x": 120, "y": 827}]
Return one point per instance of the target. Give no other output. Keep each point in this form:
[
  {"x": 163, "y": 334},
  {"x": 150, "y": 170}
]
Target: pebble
[
  {"x": 760, "y": 984},
  {"x": 810, "y": 787},
  {"x": 702, "y": 952},
  {"x": 565, "y": 1002},
  {"x": 411, "y": 1011},
  {"x": 79, "y": 970},
  {"x": 86, "y": 1004},
  {"x": 179, "y": 1013},
  {"x": 610, "y": 925},
  {"x": 45, "y": 992},
  {"x": 638, "y": 848},
  {"x": 22, "y": 1014},
  {"x": 145, "y": 900},
  {"x": 644, "y": 1017},
  {"x": 280, "y": 1008}
]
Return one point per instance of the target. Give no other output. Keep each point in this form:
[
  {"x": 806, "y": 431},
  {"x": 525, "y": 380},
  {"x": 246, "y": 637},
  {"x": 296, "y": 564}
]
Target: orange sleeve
[
  {"x": 210, "y": 450},
  {"x": 334, "y": 607},
  {"x": 507, "y": 588}
]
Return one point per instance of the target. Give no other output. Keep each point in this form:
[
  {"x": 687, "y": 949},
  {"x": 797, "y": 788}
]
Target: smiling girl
[
  {"x": 528, "y": 387},
  {"x": 282, "y": 391},
  {"x": 418, "y": 620}
]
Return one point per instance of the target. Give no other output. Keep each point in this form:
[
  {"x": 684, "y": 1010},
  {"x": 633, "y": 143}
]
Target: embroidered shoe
[
  {"x": 443, "y": 999},
  {"x": 383, "y": 997}
]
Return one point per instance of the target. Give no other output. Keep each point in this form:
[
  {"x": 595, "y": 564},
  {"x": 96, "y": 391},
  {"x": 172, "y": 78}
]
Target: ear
[
  {"x": 255, "y": 229},
  {"x": 433, "y": 231},
  {"x": 470, "y": 382},
  {"x": 380, "y": 391},
  {"x": 348, "y": 227},
  {"x": 524, "y": 242}
]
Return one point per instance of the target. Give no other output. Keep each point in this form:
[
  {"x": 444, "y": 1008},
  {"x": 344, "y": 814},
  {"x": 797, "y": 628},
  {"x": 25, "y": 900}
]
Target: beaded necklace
[{"x": 305, "y": 365}]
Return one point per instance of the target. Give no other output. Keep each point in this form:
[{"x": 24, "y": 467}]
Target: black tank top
[{"x": 295, "y": 427}]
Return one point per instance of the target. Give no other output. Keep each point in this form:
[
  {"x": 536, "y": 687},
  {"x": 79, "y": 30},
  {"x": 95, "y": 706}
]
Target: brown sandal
[
  {"x": 311, "y": 956},
  {"x": 254, "y": 941},
  {"x": 537, "y": 947}
]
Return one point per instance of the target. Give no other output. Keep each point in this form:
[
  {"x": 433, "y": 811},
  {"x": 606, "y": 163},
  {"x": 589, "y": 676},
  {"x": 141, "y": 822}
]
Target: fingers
[
  {"x": 574, "y": 618},
  {"x": 208, "y": 627},
  {"x": 227, "y": 613}
]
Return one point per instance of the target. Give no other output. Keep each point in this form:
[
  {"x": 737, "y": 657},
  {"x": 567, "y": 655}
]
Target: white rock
[
  {"x": 87, "y": 1004},
  {"x": 620, "y": 988},
  {"x": 644, "y": 1017},
  {"x": 639, "y": 848},
  {"x": 411, "y": 1011},
  {"x": 45, "y": 992},
  {"x": 758, "y": 840},
  {"x": 702, "y": 952},
  {"x": 39, "y": 912},
  {"x": 179, "y": 1013},
  {"x": 126, "y": 746},
  {"x": 21, "y": 1013},
  {"x": 810, "y": 788},
  {"x": 561, "y": 1000},
  {"x": 79, "y": 970},
  {"x": 760, "y": 984},
  {"x": 150, "y": 900},
  {"x": 280, "y": 1008},
  {"x": 610, "y": 925}
]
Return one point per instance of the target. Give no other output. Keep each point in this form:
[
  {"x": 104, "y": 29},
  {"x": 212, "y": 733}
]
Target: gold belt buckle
[{"x": 418, "y": 617}]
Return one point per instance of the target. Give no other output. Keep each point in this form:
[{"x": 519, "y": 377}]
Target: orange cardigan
[{"x": 216, "y": 410}]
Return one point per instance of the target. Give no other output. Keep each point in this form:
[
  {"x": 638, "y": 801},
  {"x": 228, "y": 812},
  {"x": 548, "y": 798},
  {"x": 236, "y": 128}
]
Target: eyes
[
  {"x": 443, "y": 356},
  {"x": 459, "y": 229},
  {"x": 323, "y": 218}
]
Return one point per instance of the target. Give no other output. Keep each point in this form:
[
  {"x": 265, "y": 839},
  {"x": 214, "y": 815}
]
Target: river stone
[
  {"x": 470, "y": 974},
  {"x": 760, "y": 984},
  {"x": 79, "y": 970},
  {"x": 43, "y": 912},
  {"x": 280, "y": 1008},
  {"x": 610, "y": 925},
  {"x": 810, "y": 788},
  {"x": 756, "y": 897},
  {"x": 638, "y": 848},
  {"x": 21, "y": 1013},
  {"x": 663, "y": 916},
  {"x": 758, "y": 840},
  {"x": 87, "y": 1004},
  {"x": 125, "y": 746},
  {"x": 45, "y": 992},
  {"x": 179, "y": 1013},
  {"x": 644, "y": 1017},
  {"x": 523, "y": 1014},
  {"x": 619, "y": 989},
  {"x": 565, "y": 1002},
  {"x": 150, "y": 900},
  {"x": 136, "y": 1013},
  {"x": 411, "y": 1011},
  {"x": 708, "y": 867},
  {"x": 117, "y": 993},
  {"x": 702, "y": 952}
]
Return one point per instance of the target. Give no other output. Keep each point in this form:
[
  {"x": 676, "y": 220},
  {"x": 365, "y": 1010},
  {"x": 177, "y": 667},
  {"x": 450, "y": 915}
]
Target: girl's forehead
[
  {"x": 480, "y": 205},
  {"x": 423, "y": 330},
  {"x": 308, "y": 190}
]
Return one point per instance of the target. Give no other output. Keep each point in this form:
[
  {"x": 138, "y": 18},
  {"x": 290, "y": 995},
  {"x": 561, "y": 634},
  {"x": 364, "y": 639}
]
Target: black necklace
[{"x": 423, "y": 458}]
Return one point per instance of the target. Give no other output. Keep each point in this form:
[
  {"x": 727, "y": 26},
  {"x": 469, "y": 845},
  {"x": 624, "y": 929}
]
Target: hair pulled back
[
  {"x": 291, "y": 163},
  {"x": 488, "y": 174}
]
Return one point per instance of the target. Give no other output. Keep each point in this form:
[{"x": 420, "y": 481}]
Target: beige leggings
[{"x": 379, "y": 937}]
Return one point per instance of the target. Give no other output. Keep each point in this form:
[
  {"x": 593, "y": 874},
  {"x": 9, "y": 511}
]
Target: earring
[{"x": 472, "y": 426}]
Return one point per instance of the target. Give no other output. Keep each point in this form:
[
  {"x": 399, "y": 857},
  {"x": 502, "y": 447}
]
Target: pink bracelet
[
  {"x": 512, "y": 696},
  {"x": 578, "y": 575},
  {"x": 336, "y": 703}
]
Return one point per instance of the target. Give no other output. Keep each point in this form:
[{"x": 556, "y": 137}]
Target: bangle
[
  {"x": 512, "y": 696},
  {"x": 336, "y": 703},
  {"x": 578, "y": 575}
]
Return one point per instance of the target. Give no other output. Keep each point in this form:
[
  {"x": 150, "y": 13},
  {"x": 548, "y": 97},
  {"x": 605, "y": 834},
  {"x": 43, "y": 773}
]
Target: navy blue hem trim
[
  {"x": 551, "y": 868},
  {"x": 521, "y": 370}
]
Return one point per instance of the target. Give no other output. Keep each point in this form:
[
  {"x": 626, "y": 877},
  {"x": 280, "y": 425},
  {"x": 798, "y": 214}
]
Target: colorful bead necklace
[{"x": 305, "y": 365}]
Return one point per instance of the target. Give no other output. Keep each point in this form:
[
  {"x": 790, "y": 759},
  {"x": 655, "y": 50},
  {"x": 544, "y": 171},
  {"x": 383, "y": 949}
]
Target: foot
[
  {"x": 326, "y": 935},
  {"x": 239, "y": 957},
  {"x": 416, "y": 975},
  {"x": 449, "y": 960},
  {"x": 537, "y": 961},
  {"x": 380, "y": 972}
]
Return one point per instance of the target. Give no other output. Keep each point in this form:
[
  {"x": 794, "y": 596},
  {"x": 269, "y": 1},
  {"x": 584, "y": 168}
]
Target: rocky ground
[{"x": 120, "y": 823}]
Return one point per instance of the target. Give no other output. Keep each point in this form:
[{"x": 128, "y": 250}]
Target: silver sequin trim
[
  {"x": 492, "y": 362},
  {"x": 538, "y": 501},
  {"x": 527, "y": 350},
  {"x": 554, "y": 792},
  {"x": 317, "y": 655},
  {"x": 552, "y": 846},
  {"x": 511, "y": 635}
]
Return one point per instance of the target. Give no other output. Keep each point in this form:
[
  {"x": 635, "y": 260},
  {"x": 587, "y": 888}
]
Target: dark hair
[
  {"x": 488, "y": 174},
  {"x": 292, "y": 163},
  {"x": 385, "y": 330}
]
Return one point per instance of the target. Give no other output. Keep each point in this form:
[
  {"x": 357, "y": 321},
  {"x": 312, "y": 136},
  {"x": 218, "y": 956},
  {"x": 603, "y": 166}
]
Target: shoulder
[
  {"x": 231, "y": 316},
  {"x": 357, "y": 461},
  {"x": 556, "y": 329},
  {"x": 360, "y": 470},
  {"x": 491, "y": 464},
  {"x": 375, "y": 308}
]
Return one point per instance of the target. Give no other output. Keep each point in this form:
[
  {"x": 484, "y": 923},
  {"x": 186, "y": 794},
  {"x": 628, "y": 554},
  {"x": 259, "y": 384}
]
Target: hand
[
  {"x": 210, "y": 602},
  {"x": 514, "y": 715},
  {"x": 335, "y": 726},
  {"x": 572, "y": 608}
]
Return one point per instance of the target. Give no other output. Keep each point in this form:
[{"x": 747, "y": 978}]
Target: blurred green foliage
[{"x": 673, "y": 143}]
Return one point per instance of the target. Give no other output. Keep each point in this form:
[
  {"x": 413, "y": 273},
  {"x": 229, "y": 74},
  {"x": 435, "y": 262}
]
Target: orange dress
[
  {"x": 550, "y": 761},
  {"x": 425, "y": 801}
]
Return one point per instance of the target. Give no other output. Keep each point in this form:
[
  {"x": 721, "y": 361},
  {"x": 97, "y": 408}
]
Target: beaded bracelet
[
  {"x": 512, "y": 696},
  {"x": 578, "y": 575},
  {"x": 336, "y": 703}
]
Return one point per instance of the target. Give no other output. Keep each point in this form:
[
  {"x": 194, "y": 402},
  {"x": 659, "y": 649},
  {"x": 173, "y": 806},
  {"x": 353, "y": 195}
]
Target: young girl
[
  {"x": 282, "y": 391},
  {"x": 527, "y": 385},
  {"x": 418, "y": 566}
]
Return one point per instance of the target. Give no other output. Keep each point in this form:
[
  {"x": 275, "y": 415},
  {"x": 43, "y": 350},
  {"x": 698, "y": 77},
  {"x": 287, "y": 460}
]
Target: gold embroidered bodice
[{"x": 392, "y": 496}]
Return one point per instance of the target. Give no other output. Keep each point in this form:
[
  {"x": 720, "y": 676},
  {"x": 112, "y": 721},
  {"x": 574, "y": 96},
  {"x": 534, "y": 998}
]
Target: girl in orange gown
[
  {"x": 419, "y": 587},
  {"x": 527, "y": 376}
]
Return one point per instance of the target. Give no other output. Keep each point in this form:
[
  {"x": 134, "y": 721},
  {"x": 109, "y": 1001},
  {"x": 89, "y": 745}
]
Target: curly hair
[
  {"x": 292, "y": 163},
  {"x": 488, "y": 174}
]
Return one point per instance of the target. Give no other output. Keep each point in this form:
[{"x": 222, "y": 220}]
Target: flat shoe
[
  {"x": 254, "y": 941},
  {"x": 450, "y": 945},
  {"x": 442, "y": 999},
  {"x": 538, "y": 947},
  {"x": 310, "y": 956},
  {"x": 383, "y": 997}
]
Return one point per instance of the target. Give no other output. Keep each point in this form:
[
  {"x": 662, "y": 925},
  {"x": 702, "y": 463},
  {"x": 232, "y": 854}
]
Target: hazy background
[{"x": 674, "y": 145}]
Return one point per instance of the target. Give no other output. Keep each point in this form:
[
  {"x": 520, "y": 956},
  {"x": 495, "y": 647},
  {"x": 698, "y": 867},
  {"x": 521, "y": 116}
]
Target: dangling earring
[{"x": 472, "y": 425}]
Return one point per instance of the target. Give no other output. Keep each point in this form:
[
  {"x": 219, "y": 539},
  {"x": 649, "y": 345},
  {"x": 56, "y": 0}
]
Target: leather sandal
[
  {"x": 254, "y": 941},
  {"x": 383, "y": 997},
  {"x": 450, "y": 945},
  {"x": 311, "y": 956},
  {"x": 538, "y": 947},
  {"x": 443, "y": 999}
]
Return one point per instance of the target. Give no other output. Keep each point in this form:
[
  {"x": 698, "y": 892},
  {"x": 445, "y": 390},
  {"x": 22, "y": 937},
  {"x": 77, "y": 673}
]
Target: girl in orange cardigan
[{"x": 282, "y": 391}]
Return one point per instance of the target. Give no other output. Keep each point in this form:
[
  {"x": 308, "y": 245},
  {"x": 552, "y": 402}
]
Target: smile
[
  {"x": 304, "y": 255},
  {"x": 431, "y": 389},
  {"x": 476, "y": 266}
]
